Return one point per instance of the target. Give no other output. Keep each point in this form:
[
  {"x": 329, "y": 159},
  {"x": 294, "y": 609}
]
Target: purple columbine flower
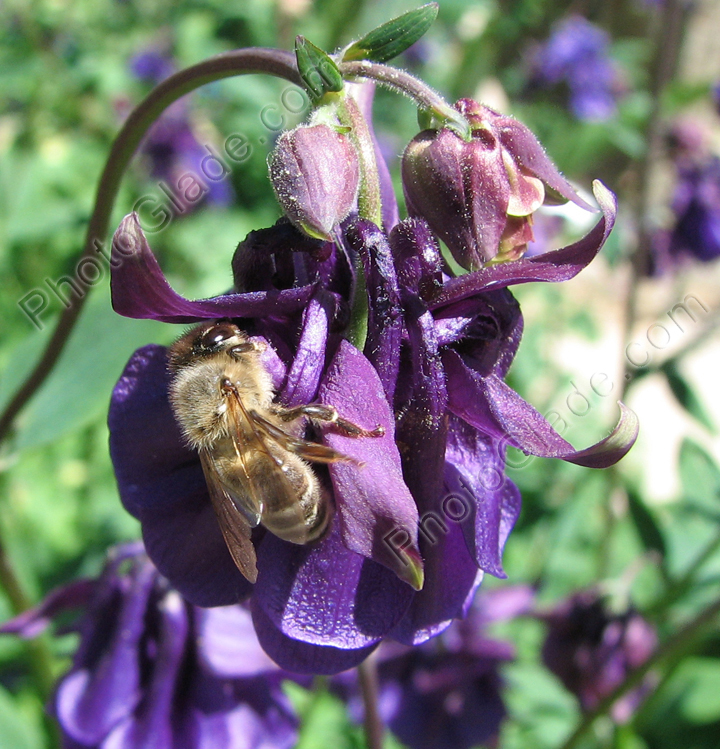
[
  {"x": 592, "y": 650},
  {"x": 152, "y": 670},
  {"x": 446, "y": 693},
  {"x": 479, "y": 196},
  {"x": 577, "y": 53},
  {"x": 420, "y": 513}
]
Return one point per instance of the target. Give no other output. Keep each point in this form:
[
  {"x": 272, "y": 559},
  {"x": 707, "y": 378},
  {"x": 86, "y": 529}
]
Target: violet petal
[
  {"x": 140, "y": 290},
  {"x": 33, "y": 622},
  {"x": 152, "y": 464},
  {"x": 227, "y": 643},
  {"x": 186, "y": 545},
  {"x": 495, "y": 408},
  {"x": 558, "y": 265},
  {"x": 382, "y": 347},
  {"x": 325, "y": 594},
  {"x": 474, "y": 476},
  {"x": 151, "y": 724},
  {"x": 374, "y": 506},
  {"x": 417, "y": 257},
  {"x": 103, "y": 686},
  {"x": 302, "y": 657},
  {"x": 161, "y": 482},
  {"x": 304, "y": 374},
  {"x": 451, "y": 579}
]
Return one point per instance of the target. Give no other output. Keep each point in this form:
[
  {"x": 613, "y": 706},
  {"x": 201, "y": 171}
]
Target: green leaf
[
  {"x": 317, "y": 69},
  {"x": 686, "y": 395},
  {"x": 16, "y": 730},
  {"x": 701, "y": 698},
  {"x": 79, "y": 388},
  {"x": 699, "y": 475},
  {"x": 646, "y": 525},
  {"x": 394, "y": 37}
]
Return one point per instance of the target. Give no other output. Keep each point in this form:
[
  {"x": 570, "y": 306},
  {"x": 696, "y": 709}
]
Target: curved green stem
[
  {"x": 252, "y": 60},
  {"x": 404, "y": 83}
]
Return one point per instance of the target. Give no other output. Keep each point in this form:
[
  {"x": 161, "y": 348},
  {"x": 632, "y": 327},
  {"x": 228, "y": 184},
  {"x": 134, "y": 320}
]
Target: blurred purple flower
[
  {"x": 446, "y": 693},
  {"x": 171, "y": 147},
  {"x": 592, "y": 650},
  {"x": 577, "y": 54},
  {"x": 152, "y": 66},
  {"x": 152, "y": 670},
  {"x": 696, "y": 205}
]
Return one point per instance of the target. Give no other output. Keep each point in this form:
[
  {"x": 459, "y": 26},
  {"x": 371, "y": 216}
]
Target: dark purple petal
[
  {"x": 451, "y": 579},
  {"x": 559, "y": 265},
  {"x": 140, "y": 290},
  {"x": 522, "y": 144},
  {"x": 227, "y": 643},
  {"x": 486, "y": 329},
  {"x": 302, "y": 657},
  {"x": 376, "y": 512},
  {"x": 422, "y": 427},
  {"x": 151, "y": 725},
  {"x": 103, "y": 686},
  {"x": 303, "y": 377},
  {"x": 382, "y": 347},
  {"x": 474, "y": 476},
  {"x": 496, "y": 409},
  {"x": 325, "y": 594},
  {"x": 417, "y": 257},
  {"x": 185, "y": 543},
  {"x": 152, "y": 464},
  {"x": 461, "y": 189},
  {"x": 35, "y": 620}
]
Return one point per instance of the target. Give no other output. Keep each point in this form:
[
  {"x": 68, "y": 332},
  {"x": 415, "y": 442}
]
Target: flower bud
[
  {"x": 479, "y": 196},
  {"x": 315, "y": 173}
]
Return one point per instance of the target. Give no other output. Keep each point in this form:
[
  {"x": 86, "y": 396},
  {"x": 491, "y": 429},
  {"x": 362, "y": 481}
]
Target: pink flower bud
[{"x": 315, "y": 173}]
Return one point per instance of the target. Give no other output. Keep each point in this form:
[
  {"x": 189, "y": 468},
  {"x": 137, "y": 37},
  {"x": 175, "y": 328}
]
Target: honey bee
[{"x": 256, "y": 470}]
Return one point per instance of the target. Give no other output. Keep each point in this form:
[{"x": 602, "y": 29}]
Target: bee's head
[{"x": 210, "y": 339}]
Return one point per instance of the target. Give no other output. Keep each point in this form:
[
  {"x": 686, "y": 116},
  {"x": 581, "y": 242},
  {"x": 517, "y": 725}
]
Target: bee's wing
[
  {"x": 233, "y": 524},
  {"x": 269, "y": 483}
]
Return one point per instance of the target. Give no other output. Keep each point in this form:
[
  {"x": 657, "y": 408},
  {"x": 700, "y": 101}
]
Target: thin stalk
[
  {"x": 679, "y": 587},
  {"x": 372, "y": 722},
  {"x": 252, "y": 60},
  {"x": 666, "y": 651},
  {"x": 41, "y": 660},
  {"x": 404, "y": 83}
]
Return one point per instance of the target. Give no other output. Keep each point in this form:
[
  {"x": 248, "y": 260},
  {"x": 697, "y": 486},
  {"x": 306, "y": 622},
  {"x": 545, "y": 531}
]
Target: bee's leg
[
  {"x": 329, "y": 415},
  {"x": 309, "y": 450}
]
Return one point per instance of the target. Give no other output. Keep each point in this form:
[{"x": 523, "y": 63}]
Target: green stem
[
  {"x": 372, "y": 722},
  {"x": 253, "y": 60},
  {"x": 681, "y": 586},
  {"x": 404, "y": 83},
  {"x": 369, "y": 201},
  {"x": 666, "y": 651},
  {"x": 41, "y": 659}
]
